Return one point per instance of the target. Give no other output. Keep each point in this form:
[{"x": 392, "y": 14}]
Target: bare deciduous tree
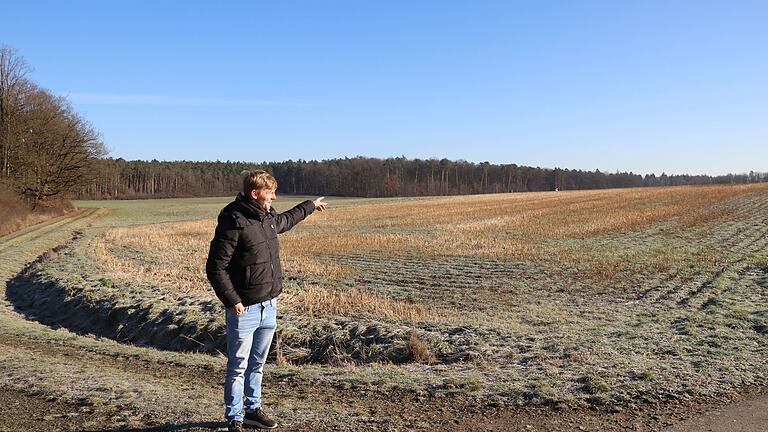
[
  {"x": 59, "y": 148},
  {"x": 13, "y": 86},
  {"x": 48, "y": 150}
]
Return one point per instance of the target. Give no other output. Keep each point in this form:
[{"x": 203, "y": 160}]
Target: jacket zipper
[{"x": 271, "y": 260}]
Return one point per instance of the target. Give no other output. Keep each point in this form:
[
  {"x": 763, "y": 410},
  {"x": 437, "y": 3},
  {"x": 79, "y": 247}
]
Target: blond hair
[{"x": 257, "y": 179}]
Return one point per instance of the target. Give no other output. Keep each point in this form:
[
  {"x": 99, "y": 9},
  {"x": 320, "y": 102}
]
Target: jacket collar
[{"x": 251, "y": 208}]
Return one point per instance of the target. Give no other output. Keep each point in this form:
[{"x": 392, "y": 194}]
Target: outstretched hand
[{"x": 320, "y": 204}]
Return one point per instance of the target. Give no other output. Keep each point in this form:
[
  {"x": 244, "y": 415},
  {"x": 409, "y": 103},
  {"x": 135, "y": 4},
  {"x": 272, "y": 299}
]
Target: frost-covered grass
[{"x": 572, "y": 297}]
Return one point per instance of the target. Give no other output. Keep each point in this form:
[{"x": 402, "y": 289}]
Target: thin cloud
[{"x": 118, "y": 99}]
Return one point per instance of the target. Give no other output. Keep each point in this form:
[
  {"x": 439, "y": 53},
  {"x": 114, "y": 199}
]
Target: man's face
[{"x": 264, "y": 197}]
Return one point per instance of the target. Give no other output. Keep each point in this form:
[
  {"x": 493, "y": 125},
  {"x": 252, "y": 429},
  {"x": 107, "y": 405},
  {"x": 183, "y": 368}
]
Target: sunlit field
[{"x": 556, "y": 297}]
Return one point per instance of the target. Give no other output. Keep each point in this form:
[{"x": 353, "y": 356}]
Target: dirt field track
[{"x": 651, "y": 317}]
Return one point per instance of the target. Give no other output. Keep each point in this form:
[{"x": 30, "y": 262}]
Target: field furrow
[{"x": 732, "y": 242}]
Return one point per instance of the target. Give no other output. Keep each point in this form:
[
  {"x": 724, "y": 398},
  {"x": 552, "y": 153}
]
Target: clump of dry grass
[{"x": 418, "y": 349}]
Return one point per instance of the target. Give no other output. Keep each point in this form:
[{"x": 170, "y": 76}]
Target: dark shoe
[
  {"x": 259, "y": 419},
  {"x": 234, "y": 426}
]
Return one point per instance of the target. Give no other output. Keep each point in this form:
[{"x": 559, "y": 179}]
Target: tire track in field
[
  {"x": 8, "y": 237},
  {"x": 22, "y": 248},
  {"x": 19, "y": 249},
  {"x": 48, "y": 227}
]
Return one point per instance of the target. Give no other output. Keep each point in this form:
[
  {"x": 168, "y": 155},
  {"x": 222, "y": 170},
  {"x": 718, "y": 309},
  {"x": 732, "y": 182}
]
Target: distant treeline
[{"x": 366, "y": 177}]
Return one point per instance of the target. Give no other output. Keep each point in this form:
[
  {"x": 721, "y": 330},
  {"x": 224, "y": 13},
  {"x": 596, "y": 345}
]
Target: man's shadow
[{"x": 211, "y": 425}]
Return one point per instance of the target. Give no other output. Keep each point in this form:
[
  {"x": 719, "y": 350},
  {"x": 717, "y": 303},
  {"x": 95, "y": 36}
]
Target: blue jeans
[{"x": 248, "y": 338}]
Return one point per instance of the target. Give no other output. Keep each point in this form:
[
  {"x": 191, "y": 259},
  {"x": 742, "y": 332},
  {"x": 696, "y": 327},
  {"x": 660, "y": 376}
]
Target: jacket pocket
[{"x": 258, "y": 273}]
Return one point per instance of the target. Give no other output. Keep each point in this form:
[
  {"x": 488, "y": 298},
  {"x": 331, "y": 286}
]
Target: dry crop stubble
[
  {"x": 566, "y": 229},
  {"x": 175, "y": 254},
  {"x": 590, "y": 295}
]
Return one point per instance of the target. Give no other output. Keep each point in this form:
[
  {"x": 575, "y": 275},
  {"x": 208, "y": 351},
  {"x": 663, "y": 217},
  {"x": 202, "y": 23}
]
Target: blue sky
[{"x": 643, "y": 86}]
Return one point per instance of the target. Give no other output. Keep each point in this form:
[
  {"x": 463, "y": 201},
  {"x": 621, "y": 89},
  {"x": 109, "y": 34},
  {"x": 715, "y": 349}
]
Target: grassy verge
[{"x": 16, "y": 214}]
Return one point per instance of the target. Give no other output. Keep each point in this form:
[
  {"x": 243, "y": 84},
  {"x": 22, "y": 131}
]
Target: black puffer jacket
[{"x": 243, "y": 263}]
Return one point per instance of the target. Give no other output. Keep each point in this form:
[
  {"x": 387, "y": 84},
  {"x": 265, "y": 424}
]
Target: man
[{"x": 243, "y": 267}]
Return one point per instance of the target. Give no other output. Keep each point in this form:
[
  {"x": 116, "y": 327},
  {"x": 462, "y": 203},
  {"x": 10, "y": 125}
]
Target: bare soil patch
[{"x": 23, "y": 411}]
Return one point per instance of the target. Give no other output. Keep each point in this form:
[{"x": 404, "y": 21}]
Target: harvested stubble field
[{"x": 613, "y": 297}]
